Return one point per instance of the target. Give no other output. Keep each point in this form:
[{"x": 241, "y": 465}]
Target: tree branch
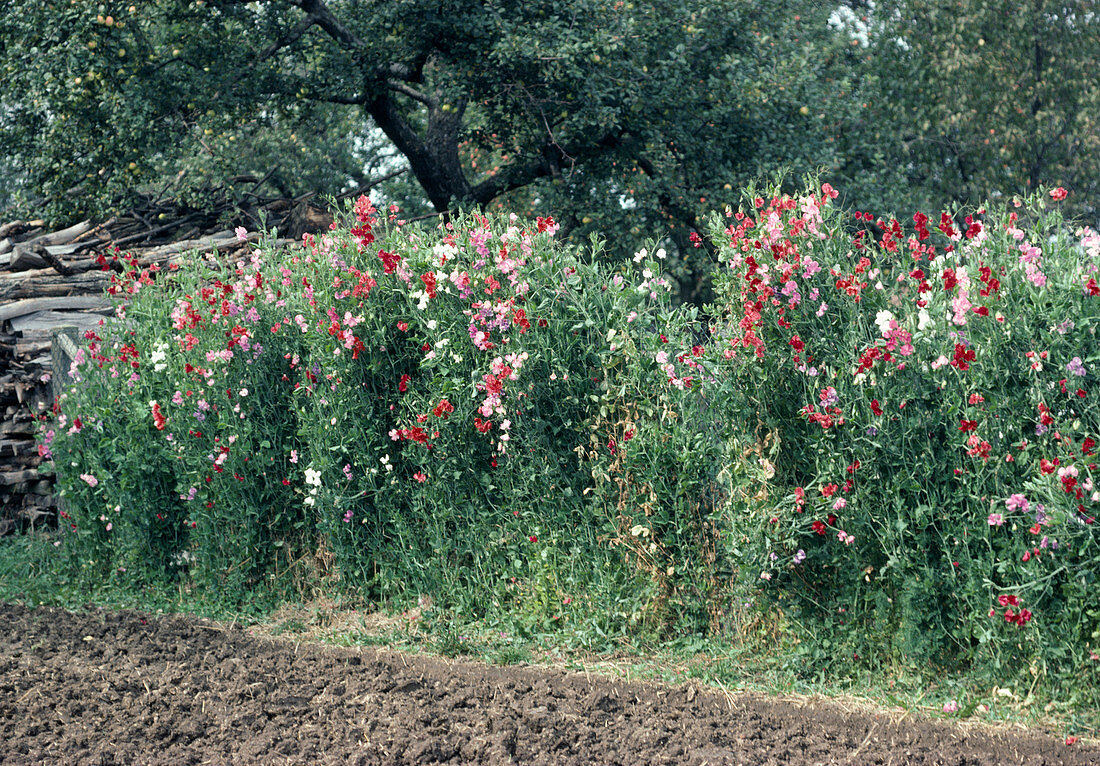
[
  {"x": 288, "y": 39},
  {"x": 411, "y": 92},
  {"x": 322, "y": 16}
]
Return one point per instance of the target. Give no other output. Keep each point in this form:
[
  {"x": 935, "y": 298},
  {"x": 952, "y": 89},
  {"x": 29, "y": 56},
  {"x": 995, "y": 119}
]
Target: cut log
[
  {"x": 16, "y": 228},
  {"x": 223, "y": 240},
  {"x": 32, "y": 347},
  {"x": 64, "y": 236},
  {"x": 14, "y": 447},
  {"x": 46, "y": 283},
  {"x": 32, "y": 305},
  {"x": 35, "y": 255},
  {"x": 41, "y": 322},
  {"x": 17, "y": 477},
  {"x": 11, "y": 428}
]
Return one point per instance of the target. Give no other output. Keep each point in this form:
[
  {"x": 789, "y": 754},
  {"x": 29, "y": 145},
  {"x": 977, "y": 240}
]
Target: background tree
[
  {"x": 975, "y": 99},
  {"x": 632, "y": 116},
  {"x": 611, "y": 115}
]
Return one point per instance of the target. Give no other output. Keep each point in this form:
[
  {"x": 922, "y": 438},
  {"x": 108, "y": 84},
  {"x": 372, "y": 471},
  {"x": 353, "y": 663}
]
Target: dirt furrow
[{"x": 121, "y": 687}]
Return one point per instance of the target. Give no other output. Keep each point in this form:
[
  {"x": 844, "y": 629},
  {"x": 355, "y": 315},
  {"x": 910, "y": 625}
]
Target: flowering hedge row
[
  {"x": 929, "y": 395},
  {"x": 404, "y": 411},
  {"x": 887, "y": 432}
]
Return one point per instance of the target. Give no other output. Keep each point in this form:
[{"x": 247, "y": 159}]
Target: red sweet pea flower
[
  {"x": 949, "y": 280},
  {"x": 428, "y": 278},
  {"x": 1058, "y": 194},
  {"x": 158, "y": 417},
  {"x": 519, "y": 319},
  {"x": 962, "y": 357},
  {"x": 946, "y": 225},
  {"x": 389, "y": 261}
]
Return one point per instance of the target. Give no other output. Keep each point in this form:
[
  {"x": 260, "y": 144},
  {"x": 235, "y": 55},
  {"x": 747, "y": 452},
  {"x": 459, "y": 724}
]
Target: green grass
[
  {"x": 33, "y": 572},
  {"x": 760, "y": 661}
]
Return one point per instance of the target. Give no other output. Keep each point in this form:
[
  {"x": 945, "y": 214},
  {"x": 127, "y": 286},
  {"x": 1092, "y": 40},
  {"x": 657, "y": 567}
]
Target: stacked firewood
[{"x": 52, "y": 283}]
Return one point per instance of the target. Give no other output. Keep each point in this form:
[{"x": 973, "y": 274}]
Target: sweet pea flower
[
  {"x": 90, "y": 480},
  {"x": 996, "y": 520},
  {"x": 883, "y": 320}
]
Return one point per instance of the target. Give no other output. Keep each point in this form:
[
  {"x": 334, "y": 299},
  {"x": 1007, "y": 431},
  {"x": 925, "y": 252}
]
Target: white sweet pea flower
[
  {"x": 883, "y": 320},
  {"x": 158, "y": 356},
  {"x": 924, "y": 320}
]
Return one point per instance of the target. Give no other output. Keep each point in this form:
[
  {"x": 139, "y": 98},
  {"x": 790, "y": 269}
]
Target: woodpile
[{"x": 52, "y": 284}]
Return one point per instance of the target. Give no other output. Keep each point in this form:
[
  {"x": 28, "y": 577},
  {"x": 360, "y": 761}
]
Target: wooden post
[{"x": 63, "y": 349}]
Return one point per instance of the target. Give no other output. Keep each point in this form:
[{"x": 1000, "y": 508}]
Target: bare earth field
[{"x": 121, "y": 687}]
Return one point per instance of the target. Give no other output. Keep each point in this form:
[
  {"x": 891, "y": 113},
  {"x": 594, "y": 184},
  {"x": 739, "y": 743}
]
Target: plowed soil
[{"x": 122, "y": 687}]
